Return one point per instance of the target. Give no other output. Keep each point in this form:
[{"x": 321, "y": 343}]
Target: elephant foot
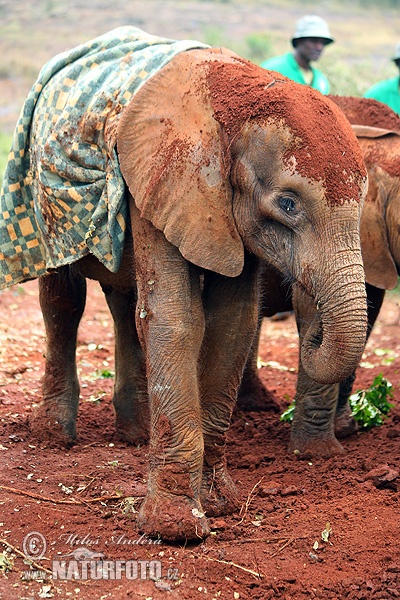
[
  {"x": 172, "y": 518},
  {"x": 133, "y": 433},
  {"x": 218, "y": 492},
  {"x": 132, "y": 417},
  {"x": 253, "y": 396},
  {"x": 315, "y": 447},
  {"x": 54, "y": 424},
  {"x": 345, "y": 425},
  {"x": 170, "y": 509}
]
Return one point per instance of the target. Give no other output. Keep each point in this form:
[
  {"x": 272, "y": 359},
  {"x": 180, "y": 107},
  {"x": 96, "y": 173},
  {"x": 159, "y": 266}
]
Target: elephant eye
[{"x": 287, "y": 204}]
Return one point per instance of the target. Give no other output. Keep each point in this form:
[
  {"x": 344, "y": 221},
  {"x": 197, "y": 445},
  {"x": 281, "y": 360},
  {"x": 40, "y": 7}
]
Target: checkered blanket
[{"x": 63, "y": 193}]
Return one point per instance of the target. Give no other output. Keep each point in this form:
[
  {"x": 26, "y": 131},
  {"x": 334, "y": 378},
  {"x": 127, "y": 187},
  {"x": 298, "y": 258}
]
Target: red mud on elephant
[{"x": 249, "y": 103}]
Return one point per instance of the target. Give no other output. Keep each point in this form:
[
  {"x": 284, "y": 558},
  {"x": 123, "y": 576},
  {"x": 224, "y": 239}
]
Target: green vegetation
[
  {"x": 288, "y": 414},
  {"x": 105, "y": 374},
  {"x": 369, "y": 407}
]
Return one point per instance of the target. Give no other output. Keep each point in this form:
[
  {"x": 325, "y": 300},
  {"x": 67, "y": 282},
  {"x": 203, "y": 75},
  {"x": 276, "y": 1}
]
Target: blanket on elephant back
[{"x": 63, "y": 194}]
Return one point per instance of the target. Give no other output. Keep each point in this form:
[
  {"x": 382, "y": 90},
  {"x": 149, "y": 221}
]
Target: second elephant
[{"x": 322, "y": 412}]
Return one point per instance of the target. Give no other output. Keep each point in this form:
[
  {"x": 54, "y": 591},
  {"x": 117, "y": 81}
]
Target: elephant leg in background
[
  {"x": 312, "y": 431},
  {"x": 276, "y": 296},
  {"x": 344, "y": 422},
  {"x": 170, "y": 325},
  {"x": 62, "y": 296},
  {"x": 253, "y": 395},
  {"x": 130, "y": 398},
  {"x": 231, "y": 315}
]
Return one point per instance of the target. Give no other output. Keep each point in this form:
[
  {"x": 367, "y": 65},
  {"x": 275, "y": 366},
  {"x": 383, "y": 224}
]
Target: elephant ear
[
  {"x": 379, "y": 266},
  {"x": 174, "y": 158}
]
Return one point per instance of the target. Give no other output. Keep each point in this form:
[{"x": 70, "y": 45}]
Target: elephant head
[{"x": 226, "y": 158}]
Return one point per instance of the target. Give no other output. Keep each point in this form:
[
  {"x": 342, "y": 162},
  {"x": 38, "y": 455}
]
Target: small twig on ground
[
  {"x": 245, "y": 506},
  {"x": 266, "y": 540},
  {"x": 232, "y": 564},
  {"x": 71, "y": 501},
  {"x": 30, "y": 561},
  {"x": 87, "y": 485},
  {"x": 290, "y": 541},
  {"x": 255, "y": 563},
  {"x": 94, "y": 444}
]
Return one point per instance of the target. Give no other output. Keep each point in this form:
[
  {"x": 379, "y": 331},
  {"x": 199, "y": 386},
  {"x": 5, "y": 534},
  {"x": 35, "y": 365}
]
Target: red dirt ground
[{"x": 86, "y": 496}]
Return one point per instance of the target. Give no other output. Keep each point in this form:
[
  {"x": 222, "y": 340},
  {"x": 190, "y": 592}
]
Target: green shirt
[
  {"x": 386, "y": 91},
  {"x": 287, "y": 65}
]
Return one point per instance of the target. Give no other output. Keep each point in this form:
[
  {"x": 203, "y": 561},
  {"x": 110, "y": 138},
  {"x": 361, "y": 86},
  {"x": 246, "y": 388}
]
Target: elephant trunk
[{"x": 334, "y": 342}]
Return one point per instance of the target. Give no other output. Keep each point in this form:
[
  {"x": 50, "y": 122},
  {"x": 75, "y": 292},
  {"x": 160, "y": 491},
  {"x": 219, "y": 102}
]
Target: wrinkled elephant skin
[
  {"x": 322, "y": 412},
  {"x": 226, "y": 167}
]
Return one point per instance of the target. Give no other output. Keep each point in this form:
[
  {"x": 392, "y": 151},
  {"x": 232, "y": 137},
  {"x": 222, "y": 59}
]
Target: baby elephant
[
  {"x": 323, "y": 410},
  {"x": 169, "y": 171}
]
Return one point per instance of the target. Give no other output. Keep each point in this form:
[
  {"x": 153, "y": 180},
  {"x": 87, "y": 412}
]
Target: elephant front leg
[
  {"x": 231, "y": 310},
  {"x": 313, "y": 427},
  {"x": 130, "y": 399},
  {"x": 62, "y": 299},
  {"x": 170, "y": 323}
]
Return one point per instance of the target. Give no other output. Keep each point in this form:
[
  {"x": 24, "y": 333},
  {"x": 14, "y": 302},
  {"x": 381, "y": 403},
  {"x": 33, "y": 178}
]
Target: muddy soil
[{"x": 80, "y": 503}]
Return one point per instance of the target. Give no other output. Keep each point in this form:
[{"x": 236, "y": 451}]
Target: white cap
[{"x": 312, "y": 26}]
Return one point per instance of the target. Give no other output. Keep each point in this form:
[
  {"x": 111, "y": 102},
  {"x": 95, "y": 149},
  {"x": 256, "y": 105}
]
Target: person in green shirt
[
  {"x": 311, "y": 36},
  {"x": 388, "y": 90}
]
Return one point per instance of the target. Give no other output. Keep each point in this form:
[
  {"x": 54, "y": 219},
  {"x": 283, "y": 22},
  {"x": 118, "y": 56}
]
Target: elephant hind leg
[
  {"x": 252, "y": 395},
  {"x": 62, "y": 296},
  {"x": 218, "y": 491},
  {"x": 131, "y": 403}
]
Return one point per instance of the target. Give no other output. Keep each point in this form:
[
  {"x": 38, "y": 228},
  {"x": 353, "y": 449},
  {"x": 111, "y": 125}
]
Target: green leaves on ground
[
  {"x": 288, "y": 414},
  {"x": 369, "y": 407},
  {"x": 105, "y": 374}
]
